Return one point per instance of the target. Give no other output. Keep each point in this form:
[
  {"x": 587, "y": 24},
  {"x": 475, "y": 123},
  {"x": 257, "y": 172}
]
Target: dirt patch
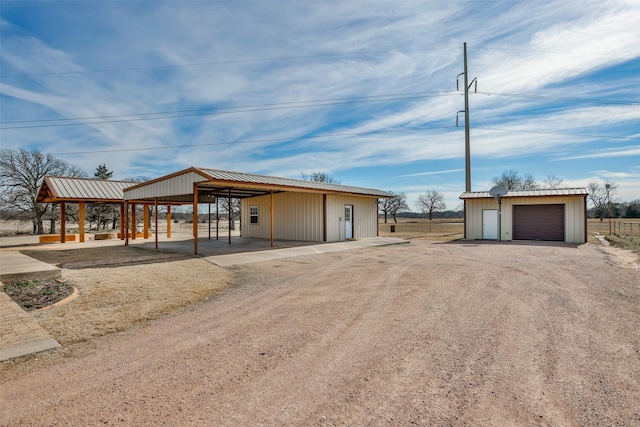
[{"x": 36, "y": 294}]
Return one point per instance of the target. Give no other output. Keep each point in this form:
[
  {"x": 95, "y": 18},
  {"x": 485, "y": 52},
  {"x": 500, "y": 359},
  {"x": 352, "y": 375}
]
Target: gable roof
[
  {"x": 57, "y": 188},
  {"x": 528, "y": 193}
]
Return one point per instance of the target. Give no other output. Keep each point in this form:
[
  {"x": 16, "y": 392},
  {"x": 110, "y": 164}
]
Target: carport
[{"x": 202, "y": 185}]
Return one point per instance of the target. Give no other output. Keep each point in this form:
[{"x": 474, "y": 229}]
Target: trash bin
[{"x": 393, "y": 228}]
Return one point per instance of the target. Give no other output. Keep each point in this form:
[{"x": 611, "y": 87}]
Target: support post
[
  {"x": 81, "y": 220},
  {"x": 324, "y": 217},
  {"x": 122, "y": 220},
  {"x": 134, "y": 222},
  {"x": 217, "y": 219},
  {"x": 229, "y": 214},
  {"x": 271, "y": 217},
  {"x": 155, "y": 217},
  {"x": 126, "y": 224},
  {"x": 168, "y": 221},
  {"x": 63, "y": 222},
  {"x": 145, "y": 218},
  {"x": 209, "y": 218},
  {"x": 195, "y": 218}
]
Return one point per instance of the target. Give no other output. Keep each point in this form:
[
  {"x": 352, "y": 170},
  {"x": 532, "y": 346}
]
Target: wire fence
[{"x": 627, "y": 230}]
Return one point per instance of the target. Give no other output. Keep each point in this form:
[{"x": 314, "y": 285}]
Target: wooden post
[
  {"x": 155, "y": 217},
  {"x": 122, "y": 220},
  {"x": 271, "y": 217},
  {"x": 81, "y": 220},
  {"x": 145, "y": 218},
  {"x": 134, "y": 222},
  {"x": 125, "y": 231},
  {"x": 229, "y": 214},
  {"x": 217, "y": 219},
  {"x": 195, "y": 218},
  {"x": 63, "y": 222},
  {"x": 168, "y": 221}
]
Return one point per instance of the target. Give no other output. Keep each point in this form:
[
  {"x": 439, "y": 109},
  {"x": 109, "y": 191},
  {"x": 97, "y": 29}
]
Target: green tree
[
  {"x": 21, "y": 174},
  {"x": 100, "y": 212}
]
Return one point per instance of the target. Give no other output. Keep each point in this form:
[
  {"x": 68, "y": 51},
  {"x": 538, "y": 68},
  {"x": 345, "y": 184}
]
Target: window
[{"x": 253, "y": 214}]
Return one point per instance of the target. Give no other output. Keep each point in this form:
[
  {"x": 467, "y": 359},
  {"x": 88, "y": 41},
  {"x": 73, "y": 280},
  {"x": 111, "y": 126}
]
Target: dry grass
[
  {"x": 441, "y": 230},
  {"x": 137, "y": 286}
]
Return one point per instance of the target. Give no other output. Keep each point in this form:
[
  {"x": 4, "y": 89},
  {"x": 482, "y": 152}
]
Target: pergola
[{"x": 64, "y": 190}]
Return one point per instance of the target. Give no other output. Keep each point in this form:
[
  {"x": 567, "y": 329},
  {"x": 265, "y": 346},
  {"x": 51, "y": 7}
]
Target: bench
[{"x": 55, "y": 238}]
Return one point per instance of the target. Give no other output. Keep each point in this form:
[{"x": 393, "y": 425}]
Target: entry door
[
  {"x": 348, "y": 221},
  {"x": 490, "y": 224}
]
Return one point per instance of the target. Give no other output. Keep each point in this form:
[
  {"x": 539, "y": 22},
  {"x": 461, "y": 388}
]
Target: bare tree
[
  {"x": 232, "y": 209},
  {"x": 601, "y": 196},
  {"x": 430, "y": 202},
  {"x": 393, "y": 205},
  {"x": 319, "y": 177},
  {"x": 552, "y": 181},
  {"x": 21, "y": 173},
  {"x": 512, "y": 180}
]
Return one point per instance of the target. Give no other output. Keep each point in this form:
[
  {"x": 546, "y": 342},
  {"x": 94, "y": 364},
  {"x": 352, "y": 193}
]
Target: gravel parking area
[{"x": 462, "y": 333}]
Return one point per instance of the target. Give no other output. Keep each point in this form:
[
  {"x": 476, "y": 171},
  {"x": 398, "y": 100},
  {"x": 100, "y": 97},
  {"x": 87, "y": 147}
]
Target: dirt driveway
[{"x": 417, "y": 334}]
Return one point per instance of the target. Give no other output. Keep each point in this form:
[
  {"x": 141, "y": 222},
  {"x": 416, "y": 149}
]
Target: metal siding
[
  {"x": 297, "y": 216},
  {"x": 365, "y": 216},
  {"x": 474, "y": 216},
  {"x": 177, "y": 185}
]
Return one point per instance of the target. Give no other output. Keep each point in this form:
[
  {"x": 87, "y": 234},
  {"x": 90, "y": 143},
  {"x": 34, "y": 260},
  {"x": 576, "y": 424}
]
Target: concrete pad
[
  {"x": 269, "y": 255},
  {"x": 20, "y": 334},
  {"x": 16, "y": 266}
]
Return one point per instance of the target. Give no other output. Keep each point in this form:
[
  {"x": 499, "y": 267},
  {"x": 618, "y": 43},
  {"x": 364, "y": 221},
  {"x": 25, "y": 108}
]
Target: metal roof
[
  {"x": 528, "y": 193},
  {"x": 222, "y": 175},
  {"x": 215, "y": 182},
  {"x": 56, "y": 188}
]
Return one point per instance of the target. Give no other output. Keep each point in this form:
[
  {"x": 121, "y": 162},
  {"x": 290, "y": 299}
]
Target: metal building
[
  {"x": 272, "y": 207},
  {"x": 545, "y": 215}
]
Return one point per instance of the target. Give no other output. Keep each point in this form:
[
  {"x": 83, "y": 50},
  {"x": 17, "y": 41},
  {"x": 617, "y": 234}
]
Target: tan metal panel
[
  {"x": 365, "y": 217},
  {"x": 175, "y": 185}
]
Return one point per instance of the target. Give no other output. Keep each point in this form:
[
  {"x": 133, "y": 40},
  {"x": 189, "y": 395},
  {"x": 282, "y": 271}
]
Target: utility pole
[{"x": 467, "y": 139}]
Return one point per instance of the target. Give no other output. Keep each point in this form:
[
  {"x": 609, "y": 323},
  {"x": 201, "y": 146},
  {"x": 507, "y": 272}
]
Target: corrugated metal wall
[
  {"x": 177, "y": 185},
  {"x": 299, "y": 216},
  {"x": 574, "y": 215},
  {"x": 365, "y": 217}
]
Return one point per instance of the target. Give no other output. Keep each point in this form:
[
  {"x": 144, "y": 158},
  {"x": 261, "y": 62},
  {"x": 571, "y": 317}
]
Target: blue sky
[{"x": 362, "y": 90}]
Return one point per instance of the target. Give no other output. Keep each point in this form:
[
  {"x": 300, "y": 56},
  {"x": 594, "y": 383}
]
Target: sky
[{"x": 368, "y": 92}]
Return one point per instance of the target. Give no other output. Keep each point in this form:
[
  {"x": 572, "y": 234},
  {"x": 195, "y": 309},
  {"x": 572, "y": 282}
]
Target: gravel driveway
[{"x": 422, "y": 334}]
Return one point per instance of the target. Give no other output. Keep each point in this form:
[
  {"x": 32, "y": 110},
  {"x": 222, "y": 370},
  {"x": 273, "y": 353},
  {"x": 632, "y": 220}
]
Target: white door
[
  {"x": 490, "y": 224},
  {"x": 348, "y": 221}
]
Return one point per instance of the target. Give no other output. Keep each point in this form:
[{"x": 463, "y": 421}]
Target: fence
[{"x": 627, "y": 230}]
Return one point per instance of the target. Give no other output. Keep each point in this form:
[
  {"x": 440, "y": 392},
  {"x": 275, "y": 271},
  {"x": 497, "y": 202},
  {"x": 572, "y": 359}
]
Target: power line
[
  {"x": 224, "y": 62},
  {"x": 226, "y": 110},
  {"x": 247, "y": 141},
  {"x": 558, "y": 98},
  {"x": 559, "y": 133}
]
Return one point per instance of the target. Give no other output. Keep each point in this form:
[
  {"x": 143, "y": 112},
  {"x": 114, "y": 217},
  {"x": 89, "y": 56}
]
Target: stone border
[{"x": 75, "y": 294}]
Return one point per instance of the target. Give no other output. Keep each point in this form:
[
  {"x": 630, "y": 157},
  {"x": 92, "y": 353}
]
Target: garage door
[{"x": 538, "y": 222}]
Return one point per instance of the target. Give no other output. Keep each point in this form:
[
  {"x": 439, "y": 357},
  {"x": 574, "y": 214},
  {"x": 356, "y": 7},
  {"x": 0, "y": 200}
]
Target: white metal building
[
  {"x": 546, "y": 215},
  {"x": 272, "y": 207}
]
